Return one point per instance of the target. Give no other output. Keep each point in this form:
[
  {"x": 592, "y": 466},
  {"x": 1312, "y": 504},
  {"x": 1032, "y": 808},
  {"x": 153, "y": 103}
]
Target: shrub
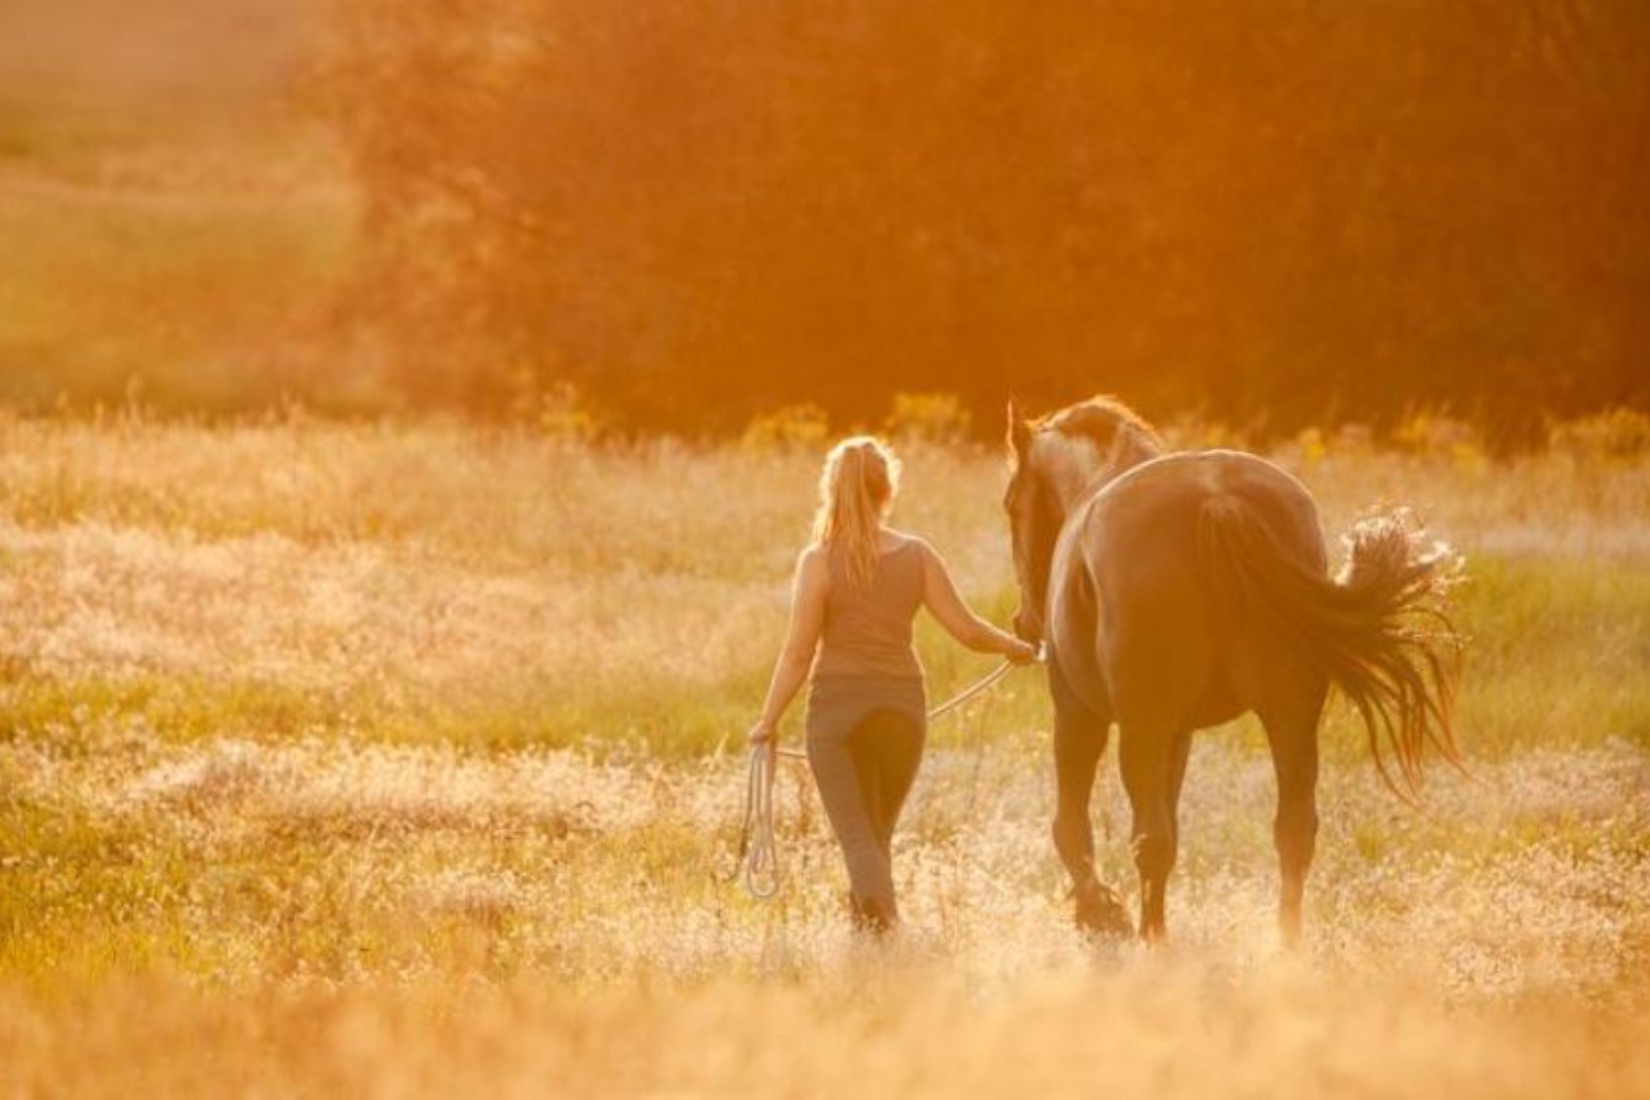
[
  {"x": 928, "y": 418},
  {"x": 1617, "y": 434},
  {"x": 788, "y": 428}
]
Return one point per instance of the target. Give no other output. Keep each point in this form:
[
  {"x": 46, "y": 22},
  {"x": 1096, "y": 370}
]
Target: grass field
[
  {"x": 168, "y": 226},
  {"x": 392, "y": 759}
]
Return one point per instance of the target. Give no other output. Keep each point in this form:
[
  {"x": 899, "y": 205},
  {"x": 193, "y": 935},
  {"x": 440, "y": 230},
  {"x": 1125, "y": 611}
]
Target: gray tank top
[{"x": 868, "y": 632}]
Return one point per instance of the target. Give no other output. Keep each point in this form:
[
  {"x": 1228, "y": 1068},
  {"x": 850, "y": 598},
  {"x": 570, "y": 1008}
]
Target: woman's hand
[
  {"x": 1021, "y": 653},
  {"x": 765, "y": 732}
]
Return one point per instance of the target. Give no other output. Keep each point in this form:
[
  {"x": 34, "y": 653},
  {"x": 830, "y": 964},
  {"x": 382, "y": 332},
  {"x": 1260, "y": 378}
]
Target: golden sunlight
[{"x": 418, "y": 674}]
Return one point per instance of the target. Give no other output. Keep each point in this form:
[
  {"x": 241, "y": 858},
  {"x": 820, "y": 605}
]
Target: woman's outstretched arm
[
  {"x": 802, "y": 638},
  {"x": 946, "y": 604}
]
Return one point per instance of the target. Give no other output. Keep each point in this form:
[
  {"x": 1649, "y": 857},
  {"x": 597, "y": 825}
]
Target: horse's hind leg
[
  {"x": 1149, "y": 757},
  {"x": 1079, "y": 741},
  {"x": 1292, "y": 729}
]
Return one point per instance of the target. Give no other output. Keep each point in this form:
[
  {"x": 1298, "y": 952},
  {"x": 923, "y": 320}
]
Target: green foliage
[
  {"x": 1618, "y": 434},
  {"x": 1552, "y": 646},
  {"x": 560, "y": 413},
  {"x": 932, "y": 418},
  {"x": 793, "y": 427}
]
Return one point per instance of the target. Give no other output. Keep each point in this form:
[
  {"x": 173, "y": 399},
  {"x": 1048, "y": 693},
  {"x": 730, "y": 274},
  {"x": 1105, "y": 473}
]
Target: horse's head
[
  {"x": 1056, "y": 463},
  {"x": 1032, "y": 525}
]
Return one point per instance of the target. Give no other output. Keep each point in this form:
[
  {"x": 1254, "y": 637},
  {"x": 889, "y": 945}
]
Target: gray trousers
[{"x": 864, "y": 774}]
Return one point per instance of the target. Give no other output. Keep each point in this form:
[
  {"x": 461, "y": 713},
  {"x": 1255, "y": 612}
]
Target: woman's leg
[
  {"x": 849, "y": 811},
  {"x": 863, "y": 779},
  {"x": 886, "y": 747}
]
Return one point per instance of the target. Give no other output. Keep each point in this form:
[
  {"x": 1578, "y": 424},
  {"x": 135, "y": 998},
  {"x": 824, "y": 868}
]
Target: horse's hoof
[
  {"x": 871, "y": 917},
  {"x": 1100, "y": 913}
]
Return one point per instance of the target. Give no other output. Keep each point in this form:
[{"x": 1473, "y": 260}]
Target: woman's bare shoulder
[
  {"x": 905, "y": 540},
  {"x": 813, "y": 574},
  {"x": 894, "y": 539}
]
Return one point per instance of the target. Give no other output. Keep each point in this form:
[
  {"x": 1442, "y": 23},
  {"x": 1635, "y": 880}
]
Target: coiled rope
[{"x": 758, "y": 852}]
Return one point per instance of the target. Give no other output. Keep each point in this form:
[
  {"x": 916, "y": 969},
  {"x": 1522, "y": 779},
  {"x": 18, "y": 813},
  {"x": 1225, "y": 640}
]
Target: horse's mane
[{"x": 1098, "y": 419}]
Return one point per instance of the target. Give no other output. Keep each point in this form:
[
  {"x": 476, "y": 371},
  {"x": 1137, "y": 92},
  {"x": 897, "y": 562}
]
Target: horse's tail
[{"x": 1378, "y": 629}]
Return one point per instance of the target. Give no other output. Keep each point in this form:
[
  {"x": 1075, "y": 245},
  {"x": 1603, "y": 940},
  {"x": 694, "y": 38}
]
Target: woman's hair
[{"x": 856, "y": 489}]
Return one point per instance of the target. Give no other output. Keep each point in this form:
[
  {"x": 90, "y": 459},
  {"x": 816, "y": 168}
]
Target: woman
[{"x": 858, "y": 586}]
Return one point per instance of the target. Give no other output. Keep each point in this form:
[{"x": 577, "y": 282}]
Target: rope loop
[
  {"x": 758, "y": 856},
  {"x": 758, "y": 851}
]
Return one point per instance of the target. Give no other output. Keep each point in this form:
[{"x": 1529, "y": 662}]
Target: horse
[{"x": 1178, "y": 591}]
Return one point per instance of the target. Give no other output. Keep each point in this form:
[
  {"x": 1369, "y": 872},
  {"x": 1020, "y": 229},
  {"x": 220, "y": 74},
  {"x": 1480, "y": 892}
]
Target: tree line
[{"x": 1276, "y": 213}]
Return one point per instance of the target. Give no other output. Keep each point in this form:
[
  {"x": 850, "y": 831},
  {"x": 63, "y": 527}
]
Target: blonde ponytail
[{"x": 856, "y": 489}]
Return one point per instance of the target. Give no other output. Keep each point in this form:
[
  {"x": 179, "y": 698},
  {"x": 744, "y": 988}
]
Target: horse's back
[
  {"x": 1172, "y": 491},
  {"x": 1167, "y": 629}
]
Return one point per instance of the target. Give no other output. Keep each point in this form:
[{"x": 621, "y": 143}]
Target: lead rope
[{"x": 758, "y": 853}]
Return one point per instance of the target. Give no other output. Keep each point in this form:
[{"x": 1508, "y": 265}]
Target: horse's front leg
[{"x": 1079, "y": 741}]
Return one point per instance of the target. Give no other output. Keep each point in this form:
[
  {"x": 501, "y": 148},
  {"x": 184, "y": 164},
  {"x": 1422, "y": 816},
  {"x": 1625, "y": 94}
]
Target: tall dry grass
[{"x": 383, "y": 759}]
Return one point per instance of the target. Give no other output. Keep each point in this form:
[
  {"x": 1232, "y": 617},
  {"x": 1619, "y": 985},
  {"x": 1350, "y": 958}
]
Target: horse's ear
[{"x": 1019, "y": 431}]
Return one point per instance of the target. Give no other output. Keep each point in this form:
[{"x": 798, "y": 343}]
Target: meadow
[
  {"x": 405, "y": 757},
  {"x": 170, "y": 228}
]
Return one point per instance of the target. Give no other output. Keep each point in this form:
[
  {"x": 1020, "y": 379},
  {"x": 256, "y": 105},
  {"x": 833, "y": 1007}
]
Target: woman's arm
[
  {"x": 802, "y": 638},
  {"x": 946, "y": 604}
]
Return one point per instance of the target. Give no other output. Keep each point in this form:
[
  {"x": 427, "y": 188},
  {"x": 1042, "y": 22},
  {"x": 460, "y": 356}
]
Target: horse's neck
[{"x": 1075, "y": 468}]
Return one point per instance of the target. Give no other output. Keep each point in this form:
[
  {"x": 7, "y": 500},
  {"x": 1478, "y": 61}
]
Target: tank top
[{"x": 867, "y": 632}]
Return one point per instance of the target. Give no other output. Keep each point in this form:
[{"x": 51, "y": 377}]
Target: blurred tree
[{"x": 1274, "y": 212}]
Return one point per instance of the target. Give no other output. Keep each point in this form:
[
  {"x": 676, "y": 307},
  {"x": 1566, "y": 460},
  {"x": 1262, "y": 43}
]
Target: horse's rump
[{"x": 1376, "y": 631}]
